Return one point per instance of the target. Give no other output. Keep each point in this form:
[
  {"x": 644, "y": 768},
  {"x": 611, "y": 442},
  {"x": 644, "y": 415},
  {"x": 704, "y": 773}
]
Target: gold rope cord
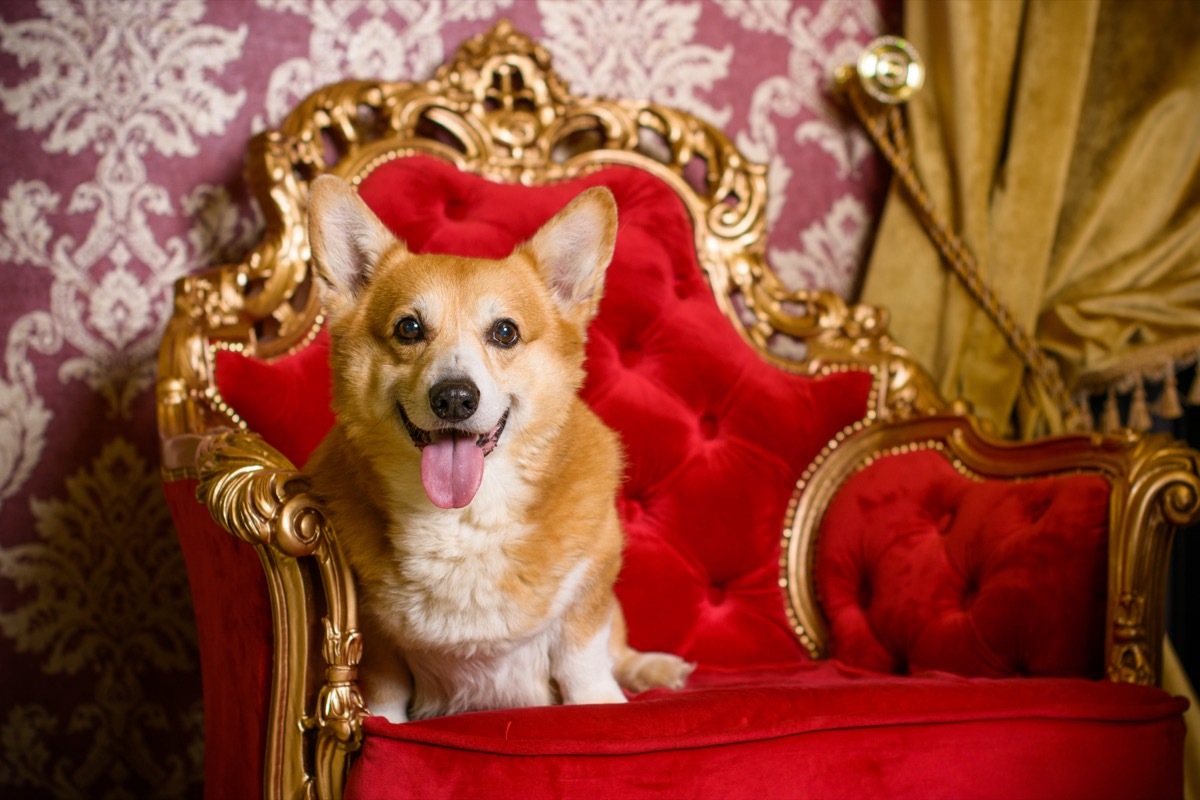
[{"x": 881, "y": 117}]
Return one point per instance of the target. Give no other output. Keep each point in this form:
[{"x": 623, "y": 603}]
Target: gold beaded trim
[
  {"x": 853, "y": 429},
  {"x": 212, "y": 396}
]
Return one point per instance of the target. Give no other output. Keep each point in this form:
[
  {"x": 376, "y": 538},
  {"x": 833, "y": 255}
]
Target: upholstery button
[
  {"x": 455, "y": 208},
  {"x": 969, "y": 594},
  {"x": 716, "y": 595},
  {"x": 1037, "y": 508},
  {"x": 631, "y": 356},
  {"x": 945, "y": 521},
  {"x": 708, "y": 426},
  {"x": 865, "y": 594},
  {"x": 682, "y": 291},
  {"x": 634, "y": 510}
]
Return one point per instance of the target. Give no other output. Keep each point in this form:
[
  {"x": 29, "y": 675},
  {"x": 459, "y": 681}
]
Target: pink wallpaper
[{"x": 124, "y": 124}]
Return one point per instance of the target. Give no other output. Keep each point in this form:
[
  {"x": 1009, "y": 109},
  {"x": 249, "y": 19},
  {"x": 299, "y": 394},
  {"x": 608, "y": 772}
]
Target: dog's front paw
[
  {"x": 638, "y": 672},
  {"x": 595, "y": 693},
  {"x": 392, "y": 712}
]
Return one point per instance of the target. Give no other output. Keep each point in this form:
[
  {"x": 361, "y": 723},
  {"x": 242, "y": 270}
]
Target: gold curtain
[{"x": 1061, "y": 138}]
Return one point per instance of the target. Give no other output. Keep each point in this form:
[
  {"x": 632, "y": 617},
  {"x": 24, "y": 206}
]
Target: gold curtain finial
[{"x": 891, "y": 70}]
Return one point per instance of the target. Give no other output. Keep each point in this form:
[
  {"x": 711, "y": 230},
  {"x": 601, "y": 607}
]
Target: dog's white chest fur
[
  {"x": 451, "y": 568},
  {"x": 466, "y": 641},
  {"x": 449, "y": 585}
]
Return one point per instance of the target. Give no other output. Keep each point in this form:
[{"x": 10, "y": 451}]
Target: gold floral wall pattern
[{"x": 124, "y": 125}]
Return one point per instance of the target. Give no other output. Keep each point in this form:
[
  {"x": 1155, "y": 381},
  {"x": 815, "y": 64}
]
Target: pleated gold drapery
[{"x": 1062, "y": 141}]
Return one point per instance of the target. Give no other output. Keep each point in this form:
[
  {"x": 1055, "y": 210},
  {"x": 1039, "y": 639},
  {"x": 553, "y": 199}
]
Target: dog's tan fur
[{"x": 507, "y": 601}]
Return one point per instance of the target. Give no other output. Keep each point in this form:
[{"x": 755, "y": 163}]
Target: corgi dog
[{"x": 471, "y": 489}]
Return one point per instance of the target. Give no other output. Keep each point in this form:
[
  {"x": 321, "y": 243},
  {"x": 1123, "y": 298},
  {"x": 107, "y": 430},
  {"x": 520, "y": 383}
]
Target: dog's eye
[
  {"x": 505, "y": 333},
  {"x": 408, "y": 329}
]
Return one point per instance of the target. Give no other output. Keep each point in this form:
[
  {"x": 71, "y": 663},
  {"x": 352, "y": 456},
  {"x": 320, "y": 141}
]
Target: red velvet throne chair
[{"x": 882, "y": 599}]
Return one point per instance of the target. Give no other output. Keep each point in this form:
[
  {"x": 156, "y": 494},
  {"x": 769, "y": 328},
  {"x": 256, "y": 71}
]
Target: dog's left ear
[
  {"x": 347, "y": 240},
  {"x": 574, "y": 249}
]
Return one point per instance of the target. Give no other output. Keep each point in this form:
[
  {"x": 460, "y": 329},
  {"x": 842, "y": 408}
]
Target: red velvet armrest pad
[
  {"x": 818, "y": 730},
  {"x": 919, "y": 567}
]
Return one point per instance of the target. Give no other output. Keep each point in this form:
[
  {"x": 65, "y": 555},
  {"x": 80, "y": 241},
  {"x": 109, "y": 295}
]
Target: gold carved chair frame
[{"x": 499, "y": 110}]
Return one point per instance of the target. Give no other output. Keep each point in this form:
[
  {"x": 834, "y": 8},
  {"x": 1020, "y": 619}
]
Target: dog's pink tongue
[{"x": 452, "y": 469}]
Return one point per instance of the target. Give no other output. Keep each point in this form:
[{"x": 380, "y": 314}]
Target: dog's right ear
[
  {"x": 347, "y": 240},
  {"x": 574, "y": 249}
]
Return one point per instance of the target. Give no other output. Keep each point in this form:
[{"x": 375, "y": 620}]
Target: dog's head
[{"x": 442, "y": 359}]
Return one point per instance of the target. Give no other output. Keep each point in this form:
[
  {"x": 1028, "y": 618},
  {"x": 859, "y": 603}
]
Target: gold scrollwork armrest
[
  {"x": 256, "y": 494},
  {"x": 1159, "y": 493}
]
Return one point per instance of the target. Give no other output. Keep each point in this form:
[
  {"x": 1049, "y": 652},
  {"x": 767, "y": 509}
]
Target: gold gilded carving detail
[
  {"x": 207, "y": 305},
  {"x": 253, "y": 492},
  {"x": 339, "y": 710},
  {"x": 1129, "y": 660},
  {"x": 1158, "y": 492}
]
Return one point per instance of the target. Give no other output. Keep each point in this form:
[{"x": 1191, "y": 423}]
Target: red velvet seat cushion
[
  {"x": 715, "y": 437},
  {"x": 920, "y": 567},
  {"x": 815, "y": 730}
]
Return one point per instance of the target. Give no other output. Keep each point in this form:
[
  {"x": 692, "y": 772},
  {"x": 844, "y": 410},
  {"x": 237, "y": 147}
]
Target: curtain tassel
[
  {"x": 1169, "y": 406},
  {"x": 1139, "y": 413},
  {"x": 1193, "y": 398},
  {"x": 1111, "y": 421},
  {"x": 1086, "y": 421}
]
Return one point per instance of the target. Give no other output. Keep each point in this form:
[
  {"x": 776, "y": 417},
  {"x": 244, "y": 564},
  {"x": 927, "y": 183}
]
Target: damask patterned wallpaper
[{"x": 123, "y": 126}]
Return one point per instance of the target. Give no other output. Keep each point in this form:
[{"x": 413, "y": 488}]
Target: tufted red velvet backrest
[
  {"x": 715, "y": 437},
  {"x": 920, "y": 567}
]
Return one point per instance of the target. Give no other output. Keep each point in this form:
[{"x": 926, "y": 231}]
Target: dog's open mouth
[{"x": 452, "y": 460}]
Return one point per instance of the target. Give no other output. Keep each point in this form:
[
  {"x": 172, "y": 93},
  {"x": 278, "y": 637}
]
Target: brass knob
[{"x": 891, "y": 70}]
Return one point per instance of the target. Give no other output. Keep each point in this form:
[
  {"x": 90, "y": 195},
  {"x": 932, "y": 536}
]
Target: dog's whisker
[{"x": 382, "y": 417}]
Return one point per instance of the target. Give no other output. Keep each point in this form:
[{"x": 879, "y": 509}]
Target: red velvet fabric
[
  {"x": 295, "y": 414},
  {"x": 235, "y": 635},
  {"x": 714, "y": 436},
  {"x": 802, "y": 731},
  {"x": 919, "y": 567}
]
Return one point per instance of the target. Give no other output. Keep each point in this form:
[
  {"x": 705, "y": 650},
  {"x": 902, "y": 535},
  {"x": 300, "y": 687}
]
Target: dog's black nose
[{"x": 454, "y": 400}]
